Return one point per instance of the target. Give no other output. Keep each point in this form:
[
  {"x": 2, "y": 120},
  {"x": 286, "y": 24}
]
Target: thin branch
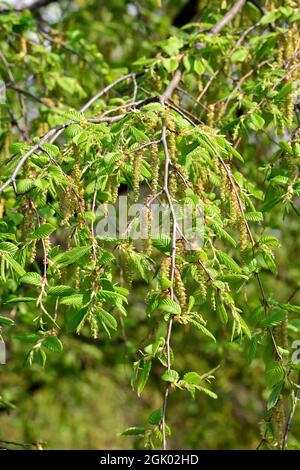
[{"x": 228, "y": 17}]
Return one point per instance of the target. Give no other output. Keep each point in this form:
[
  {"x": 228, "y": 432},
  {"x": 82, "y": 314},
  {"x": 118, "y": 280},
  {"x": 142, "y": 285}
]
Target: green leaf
[
  {"x": 244, "y": 326},
  {"x": 192, "y": 378},
  {"x": 71, "y": 256},
  {"x": 134, "y": 431},
  {"x": 228, "y": 261},
  {"x": 32, "y": 278},
  {"x": 274, "y": 373},
  {"x": 290, "y": 307},
  {"x": 170, "y": 376},
  {"x": 203, "y": 330},
  {"x": 252, "y": 350},
  {"x": 7, "y": 247},
  {"x": 60, "y": 291},
  {"x": 274, "y": 319},
  {"x": 76, "y": 300},
  {"x": 144, "y": 375},
  {"x": 53, "y": 343},
  {"x": 43, "y": 231},
  {"x": 155, "y": 417},
  {"x": 256, "y": 121},
  {"x": 6, "y": 321},
  {"x": 208, "y": 392},
  {"x": 170, "y": 306},
  {"x": 14, "y": 264},
  {"x": 270, "y": 17},
  {"x": 274, "y": 396},
  {"x": 199, "y": 67},
  {"x": 221, "y": 310},
  {"x": 106, "y": 318},
  {"x": 139, "y": 135},
  {"x": 239, "y": 55},
  {"x": 170, "y": 64}
]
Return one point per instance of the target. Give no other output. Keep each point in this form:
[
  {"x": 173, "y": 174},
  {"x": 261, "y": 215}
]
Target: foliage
[{"x": 207, "y": 114}]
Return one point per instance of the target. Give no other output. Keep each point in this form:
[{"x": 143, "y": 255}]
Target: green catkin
[
  {"x": 149, "y": 232},
  {"x": 202, "y": 282},
  {"x": 235, "y": 132},
  {"x": 180, "y": 290},
  {"x": 211, "y": 115},
  {"x": 288, "y": 108},
  {"x": 155, "y": 168},
  {"x": 137, "y": 166}
]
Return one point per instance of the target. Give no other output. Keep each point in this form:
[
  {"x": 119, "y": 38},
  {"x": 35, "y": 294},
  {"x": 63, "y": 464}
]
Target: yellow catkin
[
  {"x": 47, "y": 245},
  {"x": 137, "y": 166},
  {"x": 155, "y": 168},
  {"x": 199, "y": 187},
  {"x": 165, "y": 268},
  {"x": 280, "y": 53},
  {"x": 234, "y": 208},
  {"x": 180, "y": 290},
  {"x": 149, "y": 232},
  {"x": 115, "y": 184},
  {"x": 1, "y": 207},
  {"x": 171, "y": 137},
  {"x": 243, "y": 236},
  {"x": 224, "y": 184},
  {"x": 93, "y": 325},
  {"x": 43, "y": 128},
  {"x": 200, "y": 85},
  {"x": 32, "y": 252},
  {"x": 23, "y": 48},
  {"x": 77, "y": 278},
  {"x": 211, "y": 115},
  {"x": 176, "y": 99},
  {"x": 172, "y": 185}
]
